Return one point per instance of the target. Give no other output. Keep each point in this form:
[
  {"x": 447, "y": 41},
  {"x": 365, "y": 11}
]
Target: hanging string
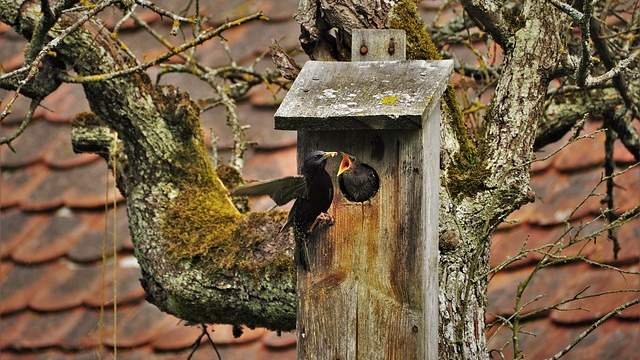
[
  {"x": 115, "y": 255},
  {"x": 103, "y": 265}
]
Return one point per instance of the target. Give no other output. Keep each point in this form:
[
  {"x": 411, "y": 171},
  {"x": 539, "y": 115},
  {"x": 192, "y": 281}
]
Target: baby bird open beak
[{"x": 345, "y": 164}]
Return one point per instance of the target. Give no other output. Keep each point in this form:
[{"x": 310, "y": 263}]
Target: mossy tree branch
[{"x": 202, "y": 259}]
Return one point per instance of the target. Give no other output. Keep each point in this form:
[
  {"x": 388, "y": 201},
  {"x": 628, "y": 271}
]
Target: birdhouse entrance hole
[{"x": 358, "y": 181}]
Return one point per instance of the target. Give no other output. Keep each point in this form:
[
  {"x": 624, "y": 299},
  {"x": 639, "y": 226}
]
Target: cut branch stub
[{"x": 372, "y": 289}]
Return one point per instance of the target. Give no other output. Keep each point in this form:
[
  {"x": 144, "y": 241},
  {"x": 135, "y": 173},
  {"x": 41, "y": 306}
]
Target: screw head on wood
[
  {"x": 392, "y": 47},
  {"x": 364, "y": 49}
]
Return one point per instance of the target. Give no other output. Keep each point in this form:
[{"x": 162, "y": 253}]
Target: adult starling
[
  {"x": 358, "y": 182},
  {"x": 313, "y": 191}
]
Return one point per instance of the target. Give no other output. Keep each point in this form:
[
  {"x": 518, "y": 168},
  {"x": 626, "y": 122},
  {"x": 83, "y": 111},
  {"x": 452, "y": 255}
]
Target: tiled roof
[{"x": 52, "y": 228}]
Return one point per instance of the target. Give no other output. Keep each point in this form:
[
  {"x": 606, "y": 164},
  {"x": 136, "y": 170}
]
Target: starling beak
[
  {"x": 358, "y": 182},
  {"x": 313, "y": 192}
]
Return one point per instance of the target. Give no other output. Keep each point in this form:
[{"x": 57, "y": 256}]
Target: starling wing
[{"x": 280, "y": 190}]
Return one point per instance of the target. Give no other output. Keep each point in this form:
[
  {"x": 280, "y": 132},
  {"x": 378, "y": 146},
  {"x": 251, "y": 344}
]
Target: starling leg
[
  {"x": 303, "y": 255},
  {"x": 324, "y": 219}
]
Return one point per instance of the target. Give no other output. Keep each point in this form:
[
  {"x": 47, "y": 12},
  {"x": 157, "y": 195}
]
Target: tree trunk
[
  {"x": 484, "y": 181},
  {"x": 179, "y": 210}
]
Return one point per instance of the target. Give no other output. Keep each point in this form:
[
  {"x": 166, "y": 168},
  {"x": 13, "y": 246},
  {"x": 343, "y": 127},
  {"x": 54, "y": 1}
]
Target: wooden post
[{"x": 372, "y": 289}]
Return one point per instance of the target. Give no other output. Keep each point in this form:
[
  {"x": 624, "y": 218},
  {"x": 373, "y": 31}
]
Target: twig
[
  {"x": 32, "y": 68},
  {"x": 23, "y": 125},
  {"x": 240, "y": 143},
  {"x": 609, "y": 167},
  {"x": 613, "y": 72},
  {"x": 196, "y": 344},
  {"x": 207, "y": 35},
  {"x": 594, "y": 326}
]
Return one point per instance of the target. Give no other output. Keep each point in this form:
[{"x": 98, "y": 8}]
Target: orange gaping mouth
[{"x": 345, "y": 164}]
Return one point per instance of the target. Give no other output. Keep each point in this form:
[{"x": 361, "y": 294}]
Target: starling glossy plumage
[
  {"x": 358, "y": 182},
  {"x": 313, "y": 191}
]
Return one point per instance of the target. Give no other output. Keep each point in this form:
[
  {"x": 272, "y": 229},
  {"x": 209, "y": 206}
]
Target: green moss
[
  {"x": 201, "y": 223},
  {"x": 198, "y": 221},
  {"x": 467, "y": 176},
  {"x": 231, "y": 179},
  {"x": 389, "y": 100},
  {"x": 229, "y": 176},
  {"x": 469, "y": 167}
]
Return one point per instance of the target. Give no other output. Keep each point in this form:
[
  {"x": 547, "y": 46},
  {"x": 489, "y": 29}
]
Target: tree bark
[
  {"x": 471, "y": 209},
  {"x": 245, "y": 275}
]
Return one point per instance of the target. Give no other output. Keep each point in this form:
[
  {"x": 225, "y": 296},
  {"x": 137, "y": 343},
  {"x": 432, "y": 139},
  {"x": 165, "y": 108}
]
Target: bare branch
[
  {"x": 487, "y": 14},
  {"x": 594, "y": 326},
  {"x": 23, "y": 125},
  {"x": 201, "y": 38},
  {"x": 613, "y": 72}
]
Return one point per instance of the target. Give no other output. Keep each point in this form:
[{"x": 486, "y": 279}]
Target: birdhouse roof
[{"x": 363, "y": 95}]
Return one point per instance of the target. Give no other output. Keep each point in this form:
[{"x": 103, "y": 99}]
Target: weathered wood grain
[
  {"x": 372, "y": 289},
  {"x": 363, "y": 95},
  {"x": 373, "y": 44}
]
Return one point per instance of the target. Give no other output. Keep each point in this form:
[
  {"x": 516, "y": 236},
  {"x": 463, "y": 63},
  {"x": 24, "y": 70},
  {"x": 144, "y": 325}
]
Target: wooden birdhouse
[{"x": 372, "y": 292}]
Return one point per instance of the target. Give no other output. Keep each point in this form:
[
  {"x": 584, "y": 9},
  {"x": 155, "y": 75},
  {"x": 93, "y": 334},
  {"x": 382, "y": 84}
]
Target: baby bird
[{"x": 358, "y": 182}]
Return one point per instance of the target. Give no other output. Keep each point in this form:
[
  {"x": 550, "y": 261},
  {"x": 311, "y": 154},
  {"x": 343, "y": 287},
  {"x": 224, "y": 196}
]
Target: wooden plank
[
  {"x": 378, "y": 45},
  {"x": 363, "y": 95},
  {"x": 370, "y": 292}
]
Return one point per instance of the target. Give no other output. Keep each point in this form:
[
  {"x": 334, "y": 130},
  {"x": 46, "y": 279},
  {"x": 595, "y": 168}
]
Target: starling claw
[
  {"x": 325, "y": 219},
  {"x": 322, "y": 219}
]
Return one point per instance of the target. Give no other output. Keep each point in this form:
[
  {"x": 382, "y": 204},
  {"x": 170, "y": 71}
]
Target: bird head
[
  {"x": 346, "y": 163},
  {"x": 317, "y": 159}
]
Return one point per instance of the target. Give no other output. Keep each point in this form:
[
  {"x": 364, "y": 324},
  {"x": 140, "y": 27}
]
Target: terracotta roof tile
[
  {"x": 628, "y": 237},
  {"x": 265, "y": 353},
  {"x": 223, "y": 335},
  {"x": 10, "y": 327},
  {"x": 557, "y": 195},
  {"x": 36, "y": 140},
  {"x": 23, "y": 282},
  {"x": 584, "y": 153},
  {"x": 282, "y": 341},
  {"x": 266, "y": 96},
  {"x": 18, "y": 184},
  {"x": 90, "y": 247},
  {"x": 12, "y": 51},
  {"x": 596, "y": 281},
  {"x": 627, "y": 190},
  {"x": 128, "y": 287},
  {"x": 261, "y": 131},
  {"x": 177, "y": 337},
  {"x": 86, "y": 333},
  {"x": 507, "y": 243},
  {"x": 51, "y": 328},
  {"x": 548, "y": 284},
  {"x": 5, "y": 268},
  {"x": 138, "y": 325},
  {"x": 533, "y": 333},
  {"x": 78, "y": 187},
  {"x": 247, "y": 42},
  {"x": 53, "y": 240},
  {"x": 60, "y": 155},
  {"x": 14, "y": 226},
  {"x": 145, "y": 46},
  {"x": 66, "y": 290},
  {"x": 49, "y": 354},
  {"x": 262, "y": 165},
  {"x": 64, "y": 103}
]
